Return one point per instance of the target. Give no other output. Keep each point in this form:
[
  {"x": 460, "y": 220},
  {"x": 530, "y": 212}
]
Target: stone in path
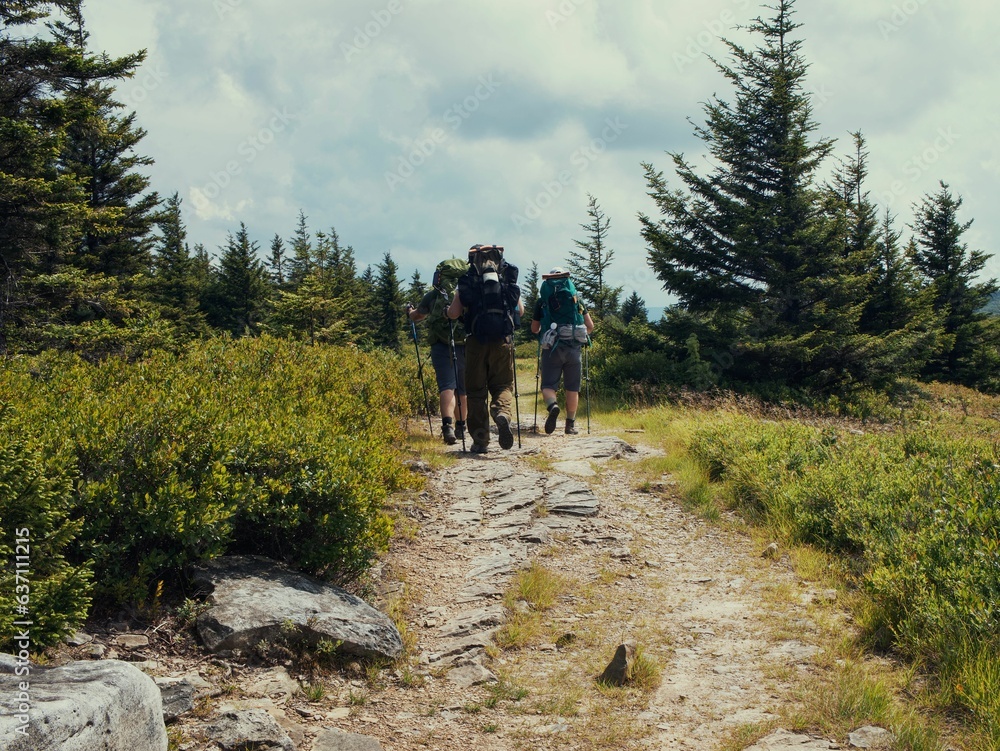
[
  {"x": 783, "y": 740},
  {"x": 107, "y": 705},
  {"x": 237, "y": 730},
  {"x": 570, "y": 497},
  {"x": 592, "y": 447},
  {"x": 253, "y": 599},
  {"x": 336, "y": 740}
]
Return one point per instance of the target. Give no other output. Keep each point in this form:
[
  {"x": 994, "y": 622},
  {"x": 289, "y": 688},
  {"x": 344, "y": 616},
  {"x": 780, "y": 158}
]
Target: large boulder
[
  {"x": 107, "y": 705},
  {"x": 255, "y": 599}
]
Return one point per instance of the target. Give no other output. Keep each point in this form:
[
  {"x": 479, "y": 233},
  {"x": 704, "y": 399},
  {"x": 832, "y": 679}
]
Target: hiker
[
  {"x": 442, "y": 334},
  {"x": 489, "y": 302},
  {"x": 567, "y": 327}
]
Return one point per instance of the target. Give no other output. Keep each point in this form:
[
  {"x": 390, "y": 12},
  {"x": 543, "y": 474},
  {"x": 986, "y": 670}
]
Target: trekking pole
[
  {"x": 517, "y": 408},
  {"x": 420, "y": 375},
  {"x": 538, "y": 371},
  {"x": 454, "y": 365},
  {"x": 586, "y": 375}
]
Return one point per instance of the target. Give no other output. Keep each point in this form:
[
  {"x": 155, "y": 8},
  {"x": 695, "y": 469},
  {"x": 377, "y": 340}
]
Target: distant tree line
[{"x": 784, "y": 280}]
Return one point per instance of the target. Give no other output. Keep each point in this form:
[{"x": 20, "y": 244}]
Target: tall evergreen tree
[
  {"x": 589, "y": 266},
  {"x": 175, "y": 286},
  {"x": 634, "y": 309},
  {"x": 240, "y": 289},
  {"x": 950, "y": 270},
  {"x": 754, "y": 249},
  {"x": 100, "y": 150},
  {"x": 529, "y": 292},
  {"x": 301, "y": 260},
  {"x": 388, "y": 304},
  {"x": 416, "y": 290},
  {"x": 277, "y": 262}
]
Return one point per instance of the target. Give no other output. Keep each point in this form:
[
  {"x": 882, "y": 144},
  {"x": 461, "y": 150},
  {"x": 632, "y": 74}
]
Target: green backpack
[
  {"x": 443, "y": 283},
  {"x": 562, "y": 320}
]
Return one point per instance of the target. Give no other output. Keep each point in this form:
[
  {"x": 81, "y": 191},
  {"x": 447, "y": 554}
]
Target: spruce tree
[
  {"x": 589, "y": 268},
  {"x": 950, "y": 271},
  {"x": 388, "y": 308},
  {"x": 240, "y": 289},
  {"x": 416, "y": 290},
  {"x": 277, "y": 262},
  {"x": 634, "y": 309},
  {"x": 529, "y": 292},
  {"x": 754, "y": 250},
  {"x": 175, "y": 286},
  {"x": 100, "y": 150},
  {"x": 301, "y": 260}
]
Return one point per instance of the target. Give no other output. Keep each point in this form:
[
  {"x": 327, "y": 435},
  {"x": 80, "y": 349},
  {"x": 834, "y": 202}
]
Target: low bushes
[
  {"x": 259, "y": 446},
  {"x": 916, "y": 513}
]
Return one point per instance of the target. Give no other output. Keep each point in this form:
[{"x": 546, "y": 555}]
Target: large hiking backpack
[
  {"x": 443, "y": 284},
  {"x": 490, "y": 293},
  {"x": 562, "y": 320}
]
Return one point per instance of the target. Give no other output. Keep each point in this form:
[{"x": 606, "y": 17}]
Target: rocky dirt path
[{"x": 729, "y": 630}]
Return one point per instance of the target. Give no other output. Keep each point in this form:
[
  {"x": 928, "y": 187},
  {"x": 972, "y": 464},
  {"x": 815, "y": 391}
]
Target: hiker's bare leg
[
  {"x": 572, "y": 402},
  {"x": 448, "y": 403},
  {"x": 549, "y": 395}
]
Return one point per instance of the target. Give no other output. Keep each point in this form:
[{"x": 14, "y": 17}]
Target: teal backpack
[{"x": 562, "y": 319}]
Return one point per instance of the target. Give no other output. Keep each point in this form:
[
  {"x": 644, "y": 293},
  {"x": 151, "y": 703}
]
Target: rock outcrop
[
  {"x": 255, "y": 599},
  {"x": 107, "y": 705}
]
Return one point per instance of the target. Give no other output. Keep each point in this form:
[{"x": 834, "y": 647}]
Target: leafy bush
[
  {"x": 261, "y": 446},
  {"x": 37, "y": 584},
  {"x": 917, "y": 513}
]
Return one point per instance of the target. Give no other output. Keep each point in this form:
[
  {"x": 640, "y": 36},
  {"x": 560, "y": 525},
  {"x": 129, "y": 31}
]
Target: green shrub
[
  {"x": 915, "y": 513},
  {"x": 257, "y": 445},
  {"x": 37, "y": 584}
]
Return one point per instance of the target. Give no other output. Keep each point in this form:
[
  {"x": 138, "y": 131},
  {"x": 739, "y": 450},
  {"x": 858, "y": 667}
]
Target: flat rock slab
[
  {"x": 253, "y": 599},
  {"x": 783, "y": 740},
  {"x": 575, "y": 467},
  {"x": 107, "y": 705},
  {"x": 238, "y": 730},
  {"x": 593, "y": 447},
  {"x": 337, "y": 740},
  {"x": 177, "y": 697},
  {"x": 570, "y": 497}
]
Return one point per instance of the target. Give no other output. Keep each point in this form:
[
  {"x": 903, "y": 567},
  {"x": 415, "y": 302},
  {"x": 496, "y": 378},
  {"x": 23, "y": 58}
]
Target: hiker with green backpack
[
  {"x": 447, "y": 340},
  {"x": 564, "y": 326}
]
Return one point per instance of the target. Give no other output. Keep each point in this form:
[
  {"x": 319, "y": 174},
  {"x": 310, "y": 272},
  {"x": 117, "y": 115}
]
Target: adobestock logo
[
  {"x": 581, "y": 159},
  {"x": 455, "y": 116}
]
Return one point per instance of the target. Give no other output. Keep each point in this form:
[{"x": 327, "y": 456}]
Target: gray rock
[
  {"x": 870, "y": 736},
  {"x": 473, "y": 621},
  {"x": 594, "y": 447},
  {"x": 467, "y": 676},
  {"x": 177, "y": 698},
  {"x": 784, "y": 740},
  {"x": 132, "y": 641},
  {"x": 254, "y": 598},
  {"x": 337, "y": 740},
  {"x": 81, "y": 706},
  {"x": 570, "y": 497},
  {"x": 241, "y": 729},
  {"x": 97, "y": 651},
  {"x": 491, "y": 565},
  {"x": 619, "y": 670},
  {"x": 79, "y": 638}
]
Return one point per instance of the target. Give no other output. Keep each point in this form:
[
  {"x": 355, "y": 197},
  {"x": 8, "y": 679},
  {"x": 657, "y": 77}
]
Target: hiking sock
[
  {"x": 550, "y": 421},
  {"x": 506, "y": 434},
  {"x": 447, "y": 431}
]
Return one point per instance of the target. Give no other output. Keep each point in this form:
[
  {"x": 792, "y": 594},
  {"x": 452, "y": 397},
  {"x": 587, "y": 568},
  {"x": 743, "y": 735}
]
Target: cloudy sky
[{"x": 421, "y": 127}]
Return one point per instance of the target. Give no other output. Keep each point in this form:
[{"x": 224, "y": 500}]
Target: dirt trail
[
  {"x": 694, "y": 597},
  {"x": 729, "y": 630}
]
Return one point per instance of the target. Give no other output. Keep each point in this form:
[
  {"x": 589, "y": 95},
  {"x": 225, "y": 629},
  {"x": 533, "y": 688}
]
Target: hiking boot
[
  {"x": 479, "y": 448},
  {"x": 448, "y": 434},
  {"x": 571, "y": 427},
  {"x": 550, "y": 421},
  {"x": 460, "y": 430},
  {"x": 506, "y": 434}
]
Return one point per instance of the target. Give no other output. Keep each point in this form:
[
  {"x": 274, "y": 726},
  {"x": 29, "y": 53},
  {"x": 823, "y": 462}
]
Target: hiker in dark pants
[
  {"x": 568, "y": 326},
  {"x": 489, "y": 302},
  {"x": 451, "y": 387}
]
